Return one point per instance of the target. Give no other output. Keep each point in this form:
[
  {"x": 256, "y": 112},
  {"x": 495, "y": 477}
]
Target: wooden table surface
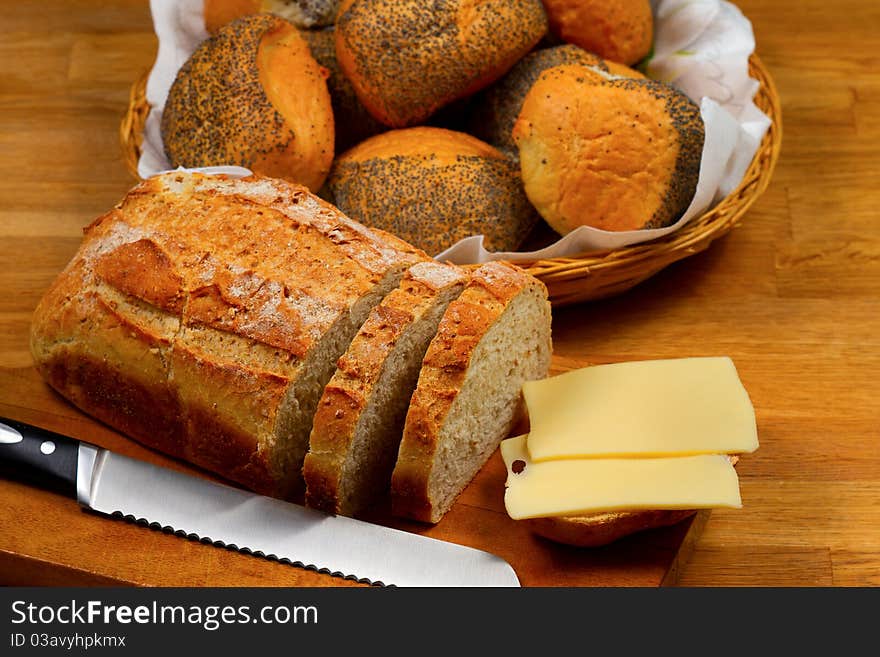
[{"x": 791, "y": 295}]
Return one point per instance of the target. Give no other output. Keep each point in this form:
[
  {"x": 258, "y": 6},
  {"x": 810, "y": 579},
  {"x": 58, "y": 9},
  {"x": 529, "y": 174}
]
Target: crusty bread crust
[
  {"x": 193, "y": 308},
  {"x": 353, "y": 388},
  {"x": 445, "y": 367}
]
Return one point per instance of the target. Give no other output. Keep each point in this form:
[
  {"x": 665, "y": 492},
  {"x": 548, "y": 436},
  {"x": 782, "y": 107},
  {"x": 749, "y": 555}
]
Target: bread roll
[
  {"x": 622, "y": 70},
  {"x": 491, "y": 339},
  {"x": 408, "y": 58},
  {"x": 433, "y": 187},
  {"x": 302, "y": 13},
  {"x": 498, "y": 107},
  {"x": 252, "y": 95},
  {"x": 619, "y": 154},
  {"x": 619, "y": 30},
  {"x": 359, "y": 422},
  {"x": 351, "y": 120},
  {"x": 203, "y": 317}
]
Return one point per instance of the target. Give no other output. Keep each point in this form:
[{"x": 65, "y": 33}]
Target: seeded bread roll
[
  {"x": 359, "y": 422},
  {"x": 252, "y": 95},
  {"x": 433, "y": 187},
  {"x": 202, "y": 316},
  {"x": 619, "y": 30},
  {"x": 600, "y": 529},
  {"x": 619, "y": 154},
  {"x": 352, "y": 122},
  {"x": 408, "y": 58},
  {"x": 499, "y": 105},
  {"x": 491, "y": 339},
  {"x": 619, "y": 70},
  {"x": 302, "y": 13}
]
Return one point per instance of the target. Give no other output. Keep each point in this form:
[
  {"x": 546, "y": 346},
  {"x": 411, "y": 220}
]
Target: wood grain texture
[
  {"x": 48, "y": 540},
  {"x": 791, "y": 295}
]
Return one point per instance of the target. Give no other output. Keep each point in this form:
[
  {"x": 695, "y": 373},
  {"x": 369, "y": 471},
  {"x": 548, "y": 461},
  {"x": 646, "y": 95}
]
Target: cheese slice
[
  {"x": 653, "y": 408},
  {"x": 576, "y": 487}
]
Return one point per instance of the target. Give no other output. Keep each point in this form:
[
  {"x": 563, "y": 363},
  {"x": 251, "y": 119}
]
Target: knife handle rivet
[{"x": 47, "y": 447}]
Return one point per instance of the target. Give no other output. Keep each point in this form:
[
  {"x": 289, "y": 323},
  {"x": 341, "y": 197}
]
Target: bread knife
[{"x": 115, "y": 485}]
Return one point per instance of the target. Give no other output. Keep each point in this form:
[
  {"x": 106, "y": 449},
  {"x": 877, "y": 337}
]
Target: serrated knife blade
[{"x": 113, "y": 484}]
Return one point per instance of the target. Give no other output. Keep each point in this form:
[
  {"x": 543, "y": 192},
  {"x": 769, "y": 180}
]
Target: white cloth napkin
[
  {"x": 180, "y": 28},
  {"x": 701, "y": 46}
]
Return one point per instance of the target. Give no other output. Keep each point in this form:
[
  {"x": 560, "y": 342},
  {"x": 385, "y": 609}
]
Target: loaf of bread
[
  {"x": 433, "y": 187},
  {"x": 619, "y": 30},
  {"x": 491, "y": 339},
  {"x": 408, "y": 58},
  {"x": 359, "y": 421},
  {"x": 615, "y": 154},
  {"x": 498, "y": 106},
  {"x": 302, "y": 13},
  {"x": 352, "y": 121},
  {"x": 252, "y": 95},
  {"x": 203, "y": 316}
]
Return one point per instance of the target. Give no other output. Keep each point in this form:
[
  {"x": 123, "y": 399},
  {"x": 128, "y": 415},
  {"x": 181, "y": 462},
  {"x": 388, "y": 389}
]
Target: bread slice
[
  {"x": 598, "y": 529},
  {"x": 203, "y": 316},
  {"x": 359, "y": 421},
  {"x": 491, "y": 339}
]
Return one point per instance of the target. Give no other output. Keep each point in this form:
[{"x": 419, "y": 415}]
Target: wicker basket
[{"x": 596, "y": 274}]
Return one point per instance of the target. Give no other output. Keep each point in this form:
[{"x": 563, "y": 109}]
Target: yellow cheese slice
[
  {"x": 573, "y": 487},
  {"x": 670, "y": 407}
]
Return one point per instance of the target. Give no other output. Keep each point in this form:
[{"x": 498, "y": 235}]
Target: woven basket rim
[{"x": 596, "y": 273}]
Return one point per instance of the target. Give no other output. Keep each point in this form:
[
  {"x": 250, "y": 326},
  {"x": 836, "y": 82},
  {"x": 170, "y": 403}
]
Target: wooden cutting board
[{"x": 46, "y": 539}]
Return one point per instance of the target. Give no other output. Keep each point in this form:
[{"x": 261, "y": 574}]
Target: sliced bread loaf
[
  {"x": 359, "y": 421},
  {"x": 203, "y": 316},
  {"x": 495, "y": 336}
]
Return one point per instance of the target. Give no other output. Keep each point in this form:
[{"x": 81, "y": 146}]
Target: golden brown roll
[
  {"x": 408, "y": 58},
  {"x": 352, "y": 121},
  {"x": 619, "y": 30},
  {"x": 498, "y": 106},
  {"x": 252, "y": 95},
  {"x": 302, "y": 13},
  {"x": 619, "y": 154},
  {"x": 433, "y": 187}
]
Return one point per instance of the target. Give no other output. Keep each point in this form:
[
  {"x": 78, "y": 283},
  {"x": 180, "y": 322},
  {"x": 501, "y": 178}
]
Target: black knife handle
[{"x": 36, "y": 456}]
